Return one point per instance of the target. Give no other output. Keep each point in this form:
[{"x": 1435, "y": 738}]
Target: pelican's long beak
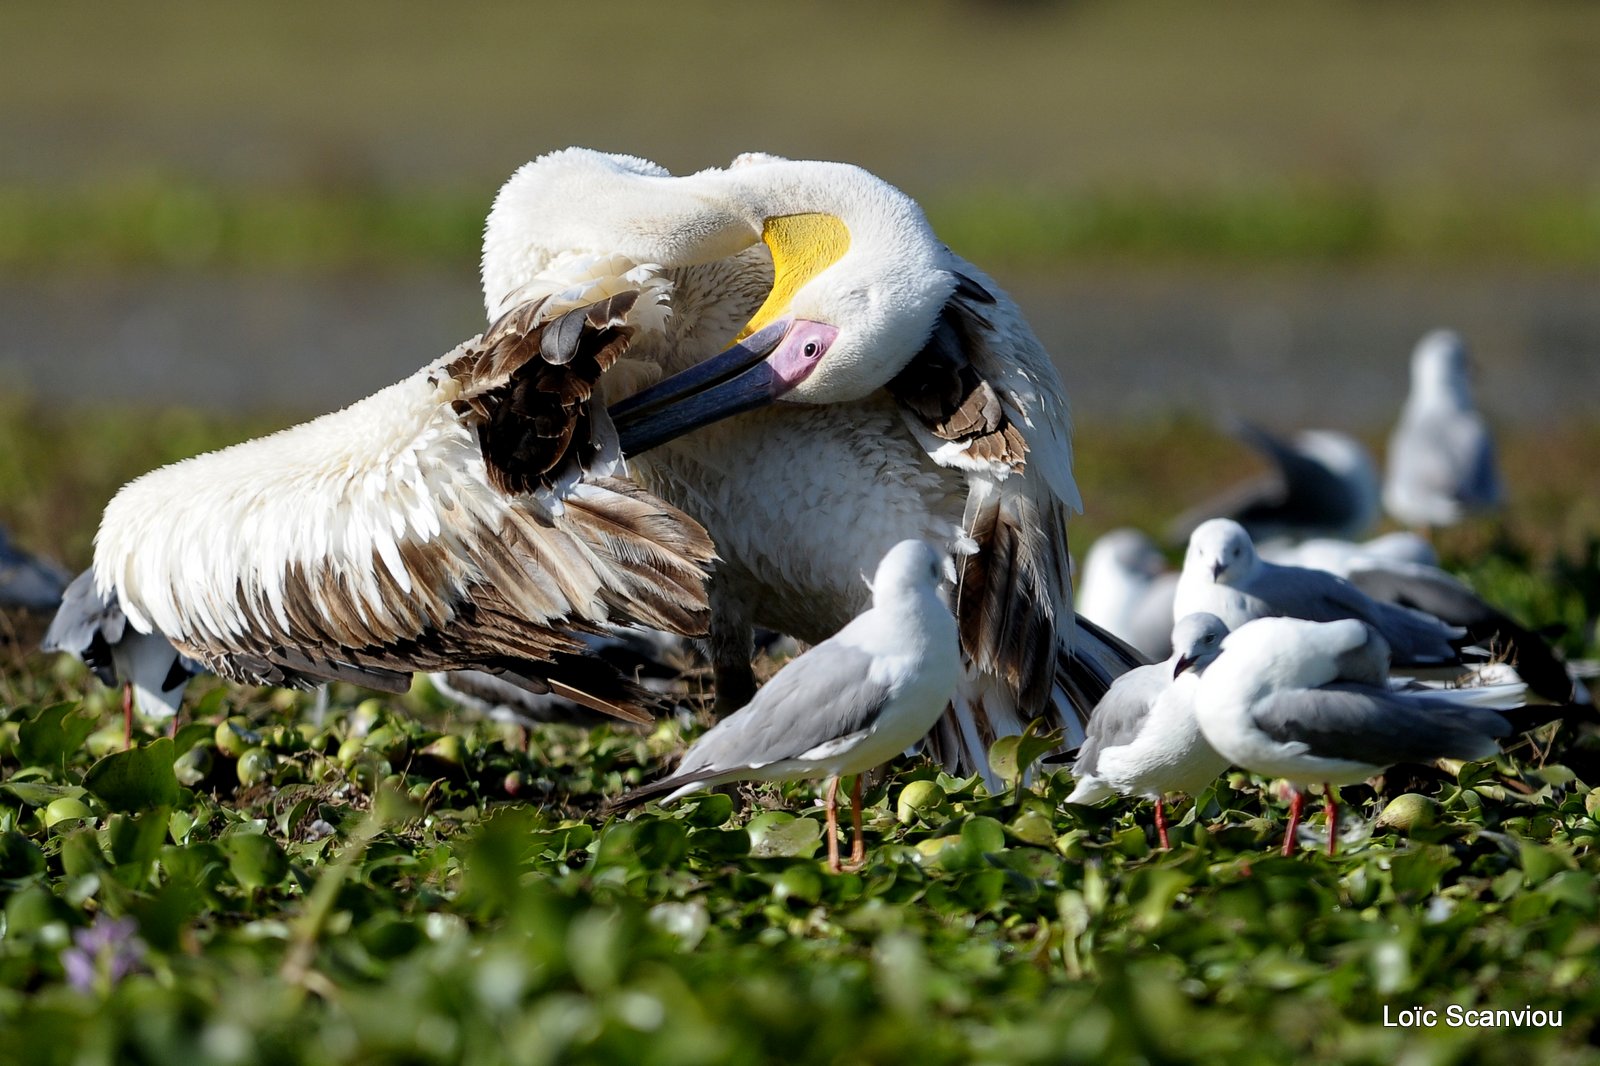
[{"x": 734, "y": 381}]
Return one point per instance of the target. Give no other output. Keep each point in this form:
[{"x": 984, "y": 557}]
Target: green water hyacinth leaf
[
  {"x": 139, "y": 779},
  {"x": 51, "y": 736},
  {"x": 19, "y": 857},
  {"x": 42, "y": 793},
  {"x": 255, "y": 860},
  {"x": 776, "y": 834}
]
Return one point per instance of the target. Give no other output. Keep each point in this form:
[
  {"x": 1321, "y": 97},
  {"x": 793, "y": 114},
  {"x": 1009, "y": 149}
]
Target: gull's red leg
[
  {"x": 831, "y": 802},
  {"x": 1161, "y": 825},
  {"x": 1332, "y": 812},
  {"x": 1295, "y": 806},
  {"x": 858, "y": 846},
  {"x": 127, "y": 715}
]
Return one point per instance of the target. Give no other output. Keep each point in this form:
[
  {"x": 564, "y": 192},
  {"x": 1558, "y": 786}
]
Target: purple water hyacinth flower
[{"x": 103, "y": 954}]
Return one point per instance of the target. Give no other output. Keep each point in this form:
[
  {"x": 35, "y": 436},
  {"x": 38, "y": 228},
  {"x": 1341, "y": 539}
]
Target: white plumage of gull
[
  {"x": 467, "y": 517},
  {"x": 1143, "y": 738},
  {"x": 1322, "y": 483},
  {"x": 1441, "y": 465},
  {"x": 1223, "y": 575},
  {"x": 1127, "y": 589},
  {"x": 885, "y": 389},
  {"x": 1308, "y": 702},
  {"x": 851, "y": 703},
  {"x": 153, "y": 674}
]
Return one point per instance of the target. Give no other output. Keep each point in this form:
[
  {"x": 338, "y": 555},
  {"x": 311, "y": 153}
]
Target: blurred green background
[{"x": 267, "y": 211}]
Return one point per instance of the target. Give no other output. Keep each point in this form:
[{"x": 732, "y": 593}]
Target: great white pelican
[{"x": 833, "y": 380}]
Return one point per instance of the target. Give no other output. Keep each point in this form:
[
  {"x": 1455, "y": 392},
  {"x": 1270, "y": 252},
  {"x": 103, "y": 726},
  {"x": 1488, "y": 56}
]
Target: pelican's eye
[{"x": 801, "y": 350}]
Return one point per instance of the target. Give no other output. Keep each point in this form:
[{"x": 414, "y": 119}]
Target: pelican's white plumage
[
  {"x": 913, "y": 402},
  {"x": 465, "y": 517}
]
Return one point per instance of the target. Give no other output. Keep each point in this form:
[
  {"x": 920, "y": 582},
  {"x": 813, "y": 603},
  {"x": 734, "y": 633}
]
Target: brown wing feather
[
  {"x": 526, "y": 385},
  {"x": 1013, "y": 595},
  {"x": 945, "y": 392}
]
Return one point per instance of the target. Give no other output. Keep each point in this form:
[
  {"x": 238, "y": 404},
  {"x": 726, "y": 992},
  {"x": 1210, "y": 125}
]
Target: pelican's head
[
  {"x": 1221, "y": 551},
  {"x": 859, "y": 280}
]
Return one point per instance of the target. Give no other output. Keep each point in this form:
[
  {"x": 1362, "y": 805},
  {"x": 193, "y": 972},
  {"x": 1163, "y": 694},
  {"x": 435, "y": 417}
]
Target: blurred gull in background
[
  {"x": 1127, "y": 590},
  {"x": 28, "y": 581},
  {"x": 1441, "y": 463},
  {"x": 1323, "y": 483}
]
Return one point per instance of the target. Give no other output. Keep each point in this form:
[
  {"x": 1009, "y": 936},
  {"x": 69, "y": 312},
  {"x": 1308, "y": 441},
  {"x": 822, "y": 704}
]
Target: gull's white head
[
  {"x": 1441, "y": 368},
  {"x": 1221, "y": 551},
  {"x": 911, "y": 567},
  {"x": 1196, "y": 640}
]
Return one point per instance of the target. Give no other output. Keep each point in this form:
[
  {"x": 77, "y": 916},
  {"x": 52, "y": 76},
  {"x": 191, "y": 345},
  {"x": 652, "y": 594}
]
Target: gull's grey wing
[
  {"x": 86, "y": 625},
  {"x": 1415, "y": 638},
  {"x": 1120, "y": 713},
  {"x": 1445, "y": 453},
  {"x": 1480, "y": 484},
  {"x": 823, "y": 695},
  {"x": 1379, "y": 728},
  {"x": 1437, "y": 593}
]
